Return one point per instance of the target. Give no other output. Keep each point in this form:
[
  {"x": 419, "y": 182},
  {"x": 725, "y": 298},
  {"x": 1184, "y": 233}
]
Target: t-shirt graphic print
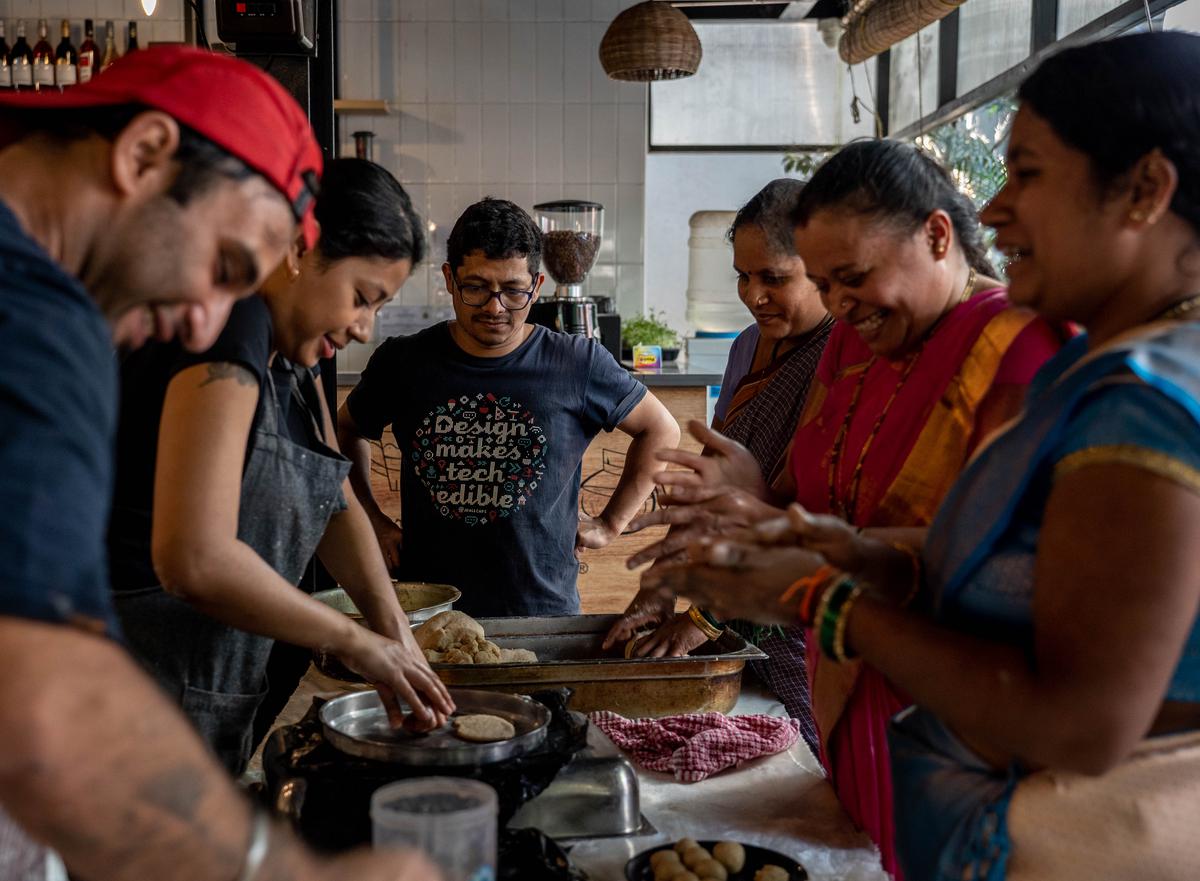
[
  {"x": 490, "y": 452},
  {"x": 481, "y": 457}
]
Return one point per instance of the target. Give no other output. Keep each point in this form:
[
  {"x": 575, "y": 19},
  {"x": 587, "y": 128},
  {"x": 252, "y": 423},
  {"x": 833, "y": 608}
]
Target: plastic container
[
  {"x": 712, "y": 300},
  {"x": 452, "y": 820}
]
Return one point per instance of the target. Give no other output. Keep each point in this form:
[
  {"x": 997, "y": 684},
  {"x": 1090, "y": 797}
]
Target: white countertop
[{"x": 782, "y": 802}]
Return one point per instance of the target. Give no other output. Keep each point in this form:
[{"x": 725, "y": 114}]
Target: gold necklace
[
  {"x": 1178, "y": 310},
  {"x": 847, "y": 510}
]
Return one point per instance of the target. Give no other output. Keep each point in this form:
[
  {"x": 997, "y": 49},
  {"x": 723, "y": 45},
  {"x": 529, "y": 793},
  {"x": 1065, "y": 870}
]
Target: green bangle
[{"x": 830, "y": 612}]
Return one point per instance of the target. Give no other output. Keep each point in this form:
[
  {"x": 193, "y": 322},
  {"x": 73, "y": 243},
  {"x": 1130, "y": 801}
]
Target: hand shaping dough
[{"x": 482, "y": 728}]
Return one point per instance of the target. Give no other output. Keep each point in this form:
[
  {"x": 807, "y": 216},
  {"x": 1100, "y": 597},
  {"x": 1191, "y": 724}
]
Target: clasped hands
[{"x": 729, "y": 550}]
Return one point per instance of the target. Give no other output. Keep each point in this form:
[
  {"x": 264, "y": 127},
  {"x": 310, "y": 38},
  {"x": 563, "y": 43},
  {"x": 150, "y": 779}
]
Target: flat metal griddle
[{"x": 357, "y": 725}]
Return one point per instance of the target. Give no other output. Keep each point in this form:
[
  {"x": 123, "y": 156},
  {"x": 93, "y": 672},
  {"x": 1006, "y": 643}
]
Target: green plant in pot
[{"x": 650, "y": 329}]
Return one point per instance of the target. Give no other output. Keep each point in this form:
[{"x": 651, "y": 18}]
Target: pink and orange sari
[{"x": 917, "y": 452}]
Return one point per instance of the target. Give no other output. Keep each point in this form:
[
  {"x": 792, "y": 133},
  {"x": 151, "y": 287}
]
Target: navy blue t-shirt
[
  {"x": 58, "y": 402},
  {"x": 492, "y": 449}
]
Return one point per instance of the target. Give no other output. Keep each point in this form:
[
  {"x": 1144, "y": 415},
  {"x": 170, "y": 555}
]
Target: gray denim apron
[{"x": 216, "y": 672}]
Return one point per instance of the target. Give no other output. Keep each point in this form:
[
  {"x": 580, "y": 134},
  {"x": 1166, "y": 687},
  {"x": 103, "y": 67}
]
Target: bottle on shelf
[
  {"x": 5, "y": 67},
  {"x": 110, "y": 46},
  {"x": 66, "y": 59},
  {"x": 43, "y": 59},
  {"x": 89, "y": 54},
  {"x": 20, "y": 60},
  {"x": 132, "y": 45}
]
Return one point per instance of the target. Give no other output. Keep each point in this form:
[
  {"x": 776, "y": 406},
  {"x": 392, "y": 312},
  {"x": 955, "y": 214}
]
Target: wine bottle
[
  {"x": 66, "y": 59},
  {"x": 89, "y": 54},
  {"x": 43, "y": 59},
  {"x": 132, "y": 45},
  {"x": 5, "y": 67},
  {"x": 110, "y": 46},
  {"x": 21, "y": 60}
]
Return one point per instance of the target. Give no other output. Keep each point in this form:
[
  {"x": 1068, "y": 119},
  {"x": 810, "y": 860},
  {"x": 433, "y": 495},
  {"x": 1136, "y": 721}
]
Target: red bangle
[{"x": 810, "y": 584}]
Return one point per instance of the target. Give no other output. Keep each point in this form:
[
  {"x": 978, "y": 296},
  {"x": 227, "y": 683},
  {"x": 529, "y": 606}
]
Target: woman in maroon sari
[{"x": 926, "y": 359}]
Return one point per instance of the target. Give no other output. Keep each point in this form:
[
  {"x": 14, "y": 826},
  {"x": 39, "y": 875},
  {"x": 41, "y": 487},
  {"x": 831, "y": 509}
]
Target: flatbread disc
[{"x": 482, "y": 728}]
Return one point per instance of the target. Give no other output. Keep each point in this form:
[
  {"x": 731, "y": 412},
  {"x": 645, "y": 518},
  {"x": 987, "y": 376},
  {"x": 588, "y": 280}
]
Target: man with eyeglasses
[{"x": 492, "y": 417}]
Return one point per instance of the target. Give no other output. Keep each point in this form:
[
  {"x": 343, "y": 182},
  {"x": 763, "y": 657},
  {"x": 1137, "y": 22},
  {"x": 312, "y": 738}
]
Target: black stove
[{"x": 327, "y": 793}]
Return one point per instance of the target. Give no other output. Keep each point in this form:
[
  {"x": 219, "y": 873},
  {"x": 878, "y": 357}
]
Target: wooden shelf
[{"x": 360, "y": 105}]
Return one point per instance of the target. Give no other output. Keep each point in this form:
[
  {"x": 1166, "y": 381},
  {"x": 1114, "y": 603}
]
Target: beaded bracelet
[{"x": 703, "y": 623}]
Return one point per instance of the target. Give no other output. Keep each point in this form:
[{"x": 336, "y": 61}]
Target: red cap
[{"x": 232, "y": 103}]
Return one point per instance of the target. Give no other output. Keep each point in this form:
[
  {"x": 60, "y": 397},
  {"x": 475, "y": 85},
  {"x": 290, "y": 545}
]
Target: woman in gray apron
[{"x": 230, "y": 481}]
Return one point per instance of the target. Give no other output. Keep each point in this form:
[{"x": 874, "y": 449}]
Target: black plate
[{"x": 638, "y": 868}]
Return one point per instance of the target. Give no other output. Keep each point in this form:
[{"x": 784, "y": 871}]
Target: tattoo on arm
[{"x": 218, "y": 370}]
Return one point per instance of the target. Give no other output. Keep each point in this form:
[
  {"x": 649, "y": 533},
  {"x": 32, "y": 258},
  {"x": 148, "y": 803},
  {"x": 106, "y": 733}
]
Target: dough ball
[
  {"x": 772, "y": 873},
  {"x": 664, "y": 858},
  {"x": 487, "y": 655},
  {"x": 457, "y": 656},
  {"x": 694, "y": 856},
  {"x": 432, "y": 656},
  {"x": 710, "y": 868},
  {"x": 446, "y": 629},
  {"x": 684, "y": 875},
  {"x": 482, "y": 728},
  {"x": 519, "y": 656},
  {"x": 684, "y": 844},
  {"x": 730, "y": 854}
]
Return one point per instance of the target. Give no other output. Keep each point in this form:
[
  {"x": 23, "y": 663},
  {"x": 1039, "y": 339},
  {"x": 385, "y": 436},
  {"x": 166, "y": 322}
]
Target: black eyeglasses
[{"x": 512, "y": 300}]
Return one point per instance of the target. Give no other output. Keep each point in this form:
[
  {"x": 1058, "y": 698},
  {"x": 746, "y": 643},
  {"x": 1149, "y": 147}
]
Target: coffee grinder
[{"x": 571, "y": 235}]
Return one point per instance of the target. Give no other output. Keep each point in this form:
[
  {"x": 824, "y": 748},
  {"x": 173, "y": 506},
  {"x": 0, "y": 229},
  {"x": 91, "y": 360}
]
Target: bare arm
[
  {"x": 99, "y": 766},
  {"x": 356, "y": 448},
  {"x": 206, "y": 419},
  {"x": 1116, "y": 597},
  {"x": 652, "y": 428},
  {"x": 351, "y": 554}
]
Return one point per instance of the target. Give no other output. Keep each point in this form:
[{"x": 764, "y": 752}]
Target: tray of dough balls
[
  {"x": 527, "y": 654},
  {"x": 691, "y": 860},
  {"x": 487, "y": 726}
]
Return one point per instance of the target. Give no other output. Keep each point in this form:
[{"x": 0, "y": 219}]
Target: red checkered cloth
[{"x": 695, "y": 746}]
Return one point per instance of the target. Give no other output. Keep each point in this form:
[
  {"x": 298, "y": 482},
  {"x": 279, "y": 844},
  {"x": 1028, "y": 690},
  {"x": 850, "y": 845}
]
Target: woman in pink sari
[{"x": 926, "y": 359}]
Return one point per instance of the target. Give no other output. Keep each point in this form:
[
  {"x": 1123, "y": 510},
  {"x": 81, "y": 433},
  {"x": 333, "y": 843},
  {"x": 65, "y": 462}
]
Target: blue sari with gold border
[{"x": 1135, "y": 400}]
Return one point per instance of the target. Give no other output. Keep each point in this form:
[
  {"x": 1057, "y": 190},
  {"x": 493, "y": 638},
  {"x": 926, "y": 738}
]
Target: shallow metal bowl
[
  {"x": 420, "y": 600},
  {"x": 358, "y": 725}
]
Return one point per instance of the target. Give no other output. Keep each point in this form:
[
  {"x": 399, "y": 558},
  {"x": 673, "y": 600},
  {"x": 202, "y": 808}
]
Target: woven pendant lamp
[{"x": 650, "y": 41}]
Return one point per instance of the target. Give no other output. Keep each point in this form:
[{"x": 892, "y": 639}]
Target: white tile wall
[
  {"x": 503, "y": 98},
  {"x": 490, "y": 97}
]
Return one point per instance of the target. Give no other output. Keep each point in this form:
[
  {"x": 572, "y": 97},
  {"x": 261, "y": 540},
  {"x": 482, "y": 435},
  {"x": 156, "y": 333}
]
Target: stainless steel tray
[
  {"x": 570, "y": 654},
  {"x": 358, "y": 725}
]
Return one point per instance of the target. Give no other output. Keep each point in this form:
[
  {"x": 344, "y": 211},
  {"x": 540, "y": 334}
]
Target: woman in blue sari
[{"x": 1047, "y": 630}]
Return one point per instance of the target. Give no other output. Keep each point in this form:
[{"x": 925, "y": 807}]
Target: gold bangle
[
  {"x": 702, "y": 624},
  {"x": 839, "y": 633},
  {"x": 915, "y": 559}
]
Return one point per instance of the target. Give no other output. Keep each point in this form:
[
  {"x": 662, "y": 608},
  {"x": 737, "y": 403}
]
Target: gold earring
[{"x": 1137, "y": 215}]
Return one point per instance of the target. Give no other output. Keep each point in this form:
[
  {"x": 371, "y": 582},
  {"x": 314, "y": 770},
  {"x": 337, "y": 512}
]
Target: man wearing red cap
[{"x": 143, "y": 203}]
